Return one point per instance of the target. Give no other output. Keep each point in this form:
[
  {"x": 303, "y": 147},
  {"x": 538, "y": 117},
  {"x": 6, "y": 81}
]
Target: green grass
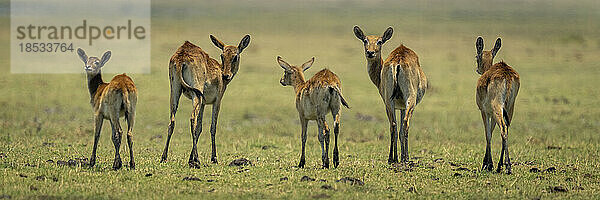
[{"x": 552, "y": 44}]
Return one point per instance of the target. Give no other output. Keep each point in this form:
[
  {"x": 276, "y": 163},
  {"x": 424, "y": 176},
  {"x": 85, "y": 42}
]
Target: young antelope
[
  {"x": 314, "y": 99},
  {"x": 497, "y": 90},
  {"x": 110, "y": 101}
]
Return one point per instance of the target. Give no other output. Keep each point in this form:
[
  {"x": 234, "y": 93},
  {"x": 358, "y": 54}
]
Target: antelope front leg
[
  {"x": 391, "y": 114},
  {"x": 213, "y": 130},
  {"x": 304, "y": 124},
  {"x": 98, "y": 126}
]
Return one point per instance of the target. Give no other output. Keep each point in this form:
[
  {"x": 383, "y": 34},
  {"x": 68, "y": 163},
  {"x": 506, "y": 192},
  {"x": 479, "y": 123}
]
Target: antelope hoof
[
  {"x": 301, "y": 164},
  {"x": 193, "y": 158},
  {"x": 163, "y": 159},
  {"x": 488, "y": 167},
  {"x": 131, "y": 165},
  {"x": 404, "y": 159},
  {"x": 325, "y": 164},
  {"x": 117, "y": 164},
  {"x": 214, "y": 160},
  {"x": 392, "y": 161},
  {"x": 336, "y": 160},
  {"x": 194, "y": 164},
  {"x": 91, "y": 163}
]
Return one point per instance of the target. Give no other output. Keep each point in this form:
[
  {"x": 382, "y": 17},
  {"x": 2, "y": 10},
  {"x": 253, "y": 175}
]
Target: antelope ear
[
  {"x": 217, "y": 42},
  {"x": 479, "y": 45},
  {"x": 496, "y": 47},
  {"x": 82, "y": 55},
  {"x": 308, "y": 64},
  {"x": 105, "y": 58},
  {"x": 387, "y": 34},
  {"x": 286, "y": 66},
  {"x": 244, "y": 43},
  {"x": 359, "y": 33}
]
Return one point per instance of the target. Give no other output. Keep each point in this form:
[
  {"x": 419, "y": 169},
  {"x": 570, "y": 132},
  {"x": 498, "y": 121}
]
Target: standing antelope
[
  {"x": 110, "y": 101},
  {"x": 401, "y": 83},
  {"x": 497, "y": 89},
  {"x": 315, "y": 98},
  {"x": 203, "y": 80}
]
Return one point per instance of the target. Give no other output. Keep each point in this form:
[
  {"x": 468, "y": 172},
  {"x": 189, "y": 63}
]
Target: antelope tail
[
  {"x": 339, "y": 92},
  {"x": 179, "y": 68}
]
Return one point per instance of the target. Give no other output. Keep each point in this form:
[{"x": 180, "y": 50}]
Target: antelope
[
  {"x": 497, "y": 89},
  {"x": 316, "y": 97},
  {"x": 203, "y": 80},
  {"x": 112, "y": 100},
  {"x": 401, "y": 84}
]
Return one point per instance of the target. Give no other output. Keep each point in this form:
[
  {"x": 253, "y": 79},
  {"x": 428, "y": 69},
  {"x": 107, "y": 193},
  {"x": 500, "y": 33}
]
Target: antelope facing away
[
  {"x": 401, "y": 83},
  {"x": 315, "y": 98},
  {"x": 110, "y": 101},
  {"x": 497, "y": 89},
  {"x": 203, "y": 80}
]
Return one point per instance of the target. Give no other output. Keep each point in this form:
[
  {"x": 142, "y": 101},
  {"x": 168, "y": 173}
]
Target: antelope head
[
  {"x": 373, "y": 43},
  {"x": 485, "y": 59},
  {"x": 293, "y": 74},
  {"x": 93, "y": 64},
  {"x": 230, "y": 57}
]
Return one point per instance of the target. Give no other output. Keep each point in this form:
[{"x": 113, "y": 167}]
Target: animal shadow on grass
[{"x": 405, "y": 166}]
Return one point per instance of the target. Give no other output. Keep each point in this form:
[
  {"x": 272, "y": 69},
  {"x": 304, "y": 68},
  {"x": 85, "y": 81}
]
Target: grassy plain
[{"x": 554, "y": 45}]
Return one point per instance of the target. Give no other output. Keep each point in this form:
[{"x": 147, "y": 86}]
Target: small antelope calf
[
  {"x": 497, "y": 89},
  {"x": 193, "y": 73},
  {"x": 401, "y": 83},
  {"x": 314, "y": 99},
  {"x": 110, "y": 101}
]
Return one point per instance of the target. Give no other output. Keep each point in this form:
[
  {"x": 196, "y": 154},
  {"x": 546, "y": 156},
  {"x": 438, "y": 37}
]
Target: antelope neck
[
  {"x": 94, "y": 81},
  {"x": 299, "y": 82},
  {"x": 374, "y": 69}
]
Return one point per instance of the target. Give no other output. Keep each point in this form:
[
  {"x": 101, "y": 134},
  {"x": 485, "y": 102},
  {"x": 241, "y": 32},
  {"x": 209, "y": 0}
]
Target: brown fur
[
  {"x": 120, "y": 85},
  {"x": 498, "y": 72},
  {"x": 316, "y": 97},
  {"x": 202, "y": 79},
  {"x": 404, "y": 56},
  {"x": 497, "y": 90},
  {"x": 112, "y": 100},
  {"x": 401, "y": 83}
]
